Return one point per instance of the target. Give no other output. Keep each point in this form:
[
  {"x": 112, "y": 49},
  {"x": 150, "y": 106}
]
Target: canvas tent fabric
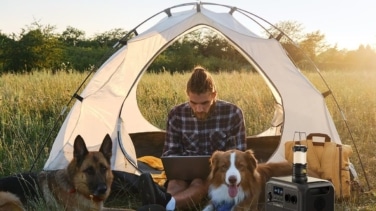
[{"x": 109, "y": 102}]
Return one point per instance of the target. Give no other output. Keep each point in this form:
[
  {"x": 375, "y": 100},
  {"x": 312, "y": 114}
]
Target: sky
[{"x": 345, "y": 23}]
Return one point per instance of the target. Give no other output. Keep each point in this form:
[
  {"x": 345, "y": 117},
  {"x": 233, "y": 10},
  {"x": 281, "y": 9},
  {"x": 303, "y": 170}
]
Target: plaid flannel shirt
[{"x": 224, "y": 129}]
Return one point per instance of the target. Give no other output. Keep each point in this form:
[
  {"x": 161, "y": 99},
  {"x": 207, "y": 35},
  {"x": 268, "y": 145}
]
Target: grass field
[{"x": 30, "y": 107}]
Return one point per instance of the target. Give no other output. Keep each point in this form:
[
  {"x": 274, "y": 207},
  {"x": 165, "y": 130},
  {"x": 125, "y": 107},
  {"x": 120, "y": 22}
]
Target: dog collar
[
  {"x": 223, "y": 205},
  {"x": 95, "y": 198},
  {"x": 91, "y": 197}
]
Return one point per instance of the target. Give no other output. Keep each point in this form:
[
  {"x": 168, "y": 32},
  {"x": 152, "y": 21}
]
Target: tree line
[{"x": 39, "y": 47}]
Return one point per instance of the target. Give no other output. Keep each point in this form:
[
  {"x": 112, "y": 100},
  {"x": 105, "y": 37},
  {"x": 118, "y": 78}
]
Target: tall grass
[{"x": 30, "y": 105}]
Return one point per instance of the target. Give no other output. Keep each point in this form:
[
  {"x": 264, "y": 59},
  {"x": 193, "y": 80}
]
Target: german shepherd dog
[{"x": 84, "y": 185}]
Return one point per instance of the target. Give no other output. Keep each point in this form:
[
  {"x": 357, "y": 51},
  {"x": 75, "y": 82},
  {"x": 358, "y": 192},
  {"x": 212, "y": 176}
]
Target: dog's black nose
[
  {"x": 232, "y": 179},
  {"x": 101, "y": 189}
]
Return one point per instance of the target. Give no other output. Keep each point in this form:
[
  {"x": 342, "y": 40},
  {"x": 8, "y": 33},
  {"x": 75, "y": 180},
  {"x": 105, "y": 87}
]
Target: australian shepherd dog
[{"x": 237, "y": 181}]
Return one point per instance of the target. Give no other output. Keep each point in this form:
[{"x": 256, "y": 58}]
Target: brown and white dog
[
  {"x": 237, "y": 181},
  {"x": 11, "y": 202}
]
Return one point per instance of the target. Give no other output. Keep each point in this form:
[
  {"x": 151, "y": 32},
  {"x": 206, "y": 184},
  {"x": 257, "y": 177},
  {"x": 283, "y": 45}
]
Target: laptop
[{"x": 186, "y": 167}]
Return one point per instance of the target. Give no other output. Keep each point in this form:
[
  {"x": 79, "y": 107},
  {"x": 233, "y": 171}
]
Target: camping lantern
[{"x": 299, "y": 171}]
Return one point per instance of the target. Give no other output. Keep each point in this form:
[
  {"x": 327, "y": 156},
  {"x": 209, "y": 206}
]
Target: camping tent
[{"x": 108, "y": 103}]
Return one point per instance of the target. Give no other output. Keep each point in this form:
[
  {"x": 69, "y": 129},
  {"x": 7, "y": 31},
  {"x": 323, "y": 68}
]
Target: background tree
[
  {"x": 6, "y": 45},
  {"x": 312, "y": 44},
  {"x": 83, "y": 54},
  {"x": 204, "y": 47},
  {"x": 292, "y": 29},
  {"x": 303, "y": 46},
  {"x": 38, "y": 47},
  {"x": 109, "y": 38},
  {"x": 72, "y": 36},
  {"x": 219, "y": 55},
  {"x": 35, "y": 48},
  {"x": 332, "y": 59},
  {"x": 364, "y": 58},
  {"x": 180, "y": 56}
]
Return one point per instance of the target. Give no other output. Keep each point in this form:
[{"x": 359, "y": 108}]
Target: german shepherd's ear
[
  {"x": 80, "y": 150},
  {"x": 106, "y": 148}
]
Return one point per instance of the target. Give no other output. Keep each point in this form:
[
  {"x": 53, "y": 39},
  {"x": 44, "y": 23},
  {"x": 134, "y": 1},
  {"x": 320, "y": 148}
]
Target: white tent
[{"x": 108, "y": 103}]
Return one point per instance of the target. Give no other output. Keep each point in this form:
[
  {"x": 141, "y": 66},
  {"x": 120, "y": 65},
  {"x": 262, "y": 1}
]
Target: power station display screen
[{"x": 278, "y": 191}]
